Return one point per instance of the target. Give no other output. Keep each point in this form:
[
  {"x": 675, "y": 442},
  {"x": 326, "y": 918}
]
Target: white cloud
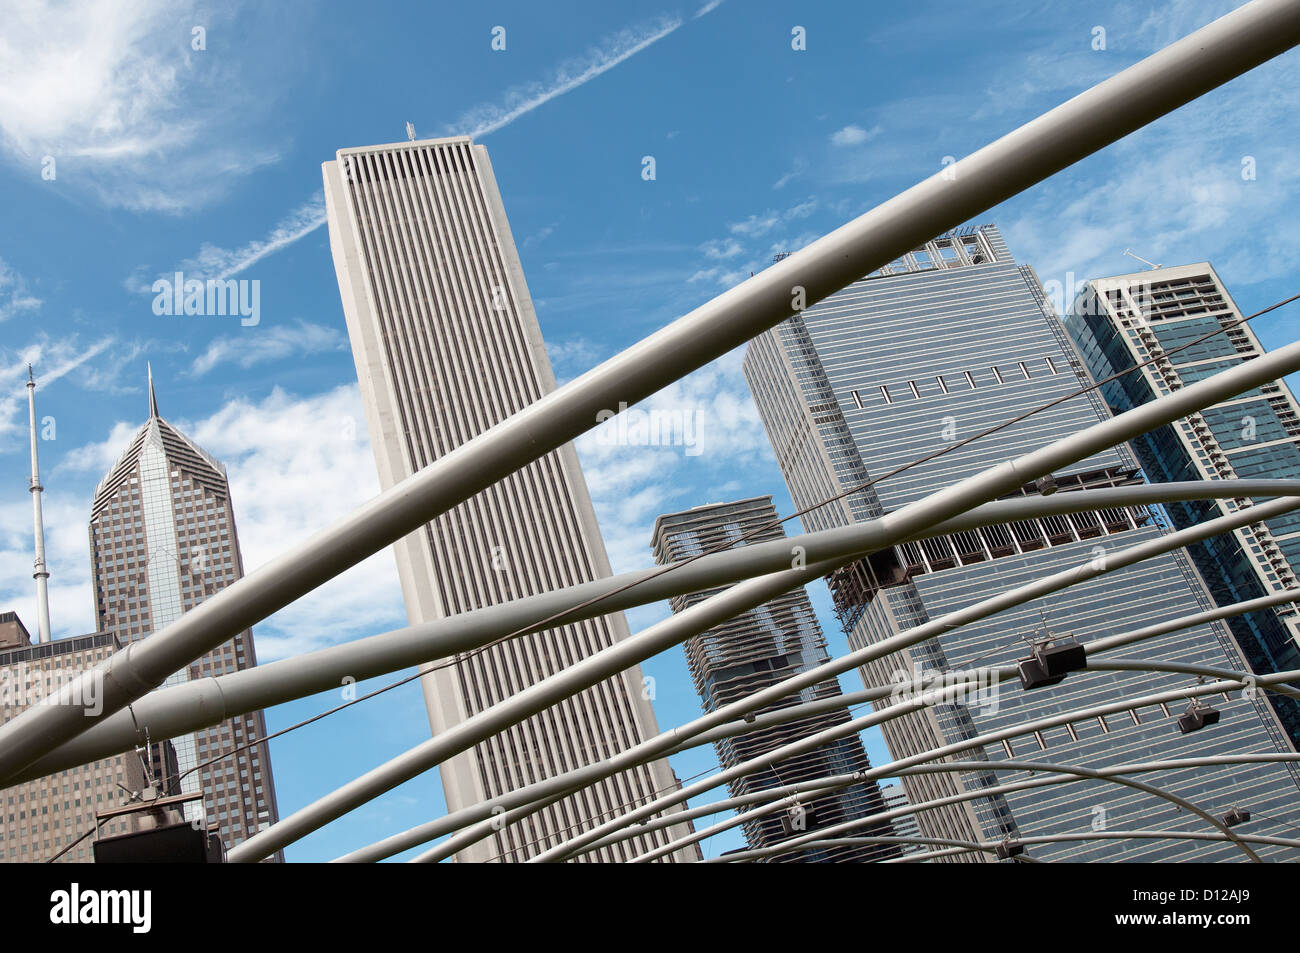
[
  {"x": 221, "y": 263},
  {"x": 14, "y": 297},
  {"x": 708, "y": 8},
  {"x": 67, "y": 555},
  {"x": 800, "y": 167},
  {"x": 722, "y": 248},
  {"x": 297, "y": 464},
  {"x": 568, "y": 76},
  {"x": 52, "y": 359},
  {"x": 273, "y": 343},
  {"x": 631, "y": 485},
  {"x": 755, "y": 224},
  {"x": 852, "y": 135},
  {"x": 117, "y": 96}
]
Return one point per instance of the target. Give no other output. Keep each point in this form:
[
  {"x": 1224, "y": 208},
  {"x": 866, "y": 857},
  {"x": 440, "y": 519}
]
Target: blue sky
[{"x": 166, "y": 157}]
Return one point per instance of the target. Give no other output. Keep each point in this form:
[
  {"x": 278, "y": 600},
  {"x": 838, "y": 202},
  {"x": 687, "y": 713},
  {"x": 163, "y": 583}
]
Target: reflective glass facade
[
  {"x": 162, "y": 539},
  {"x": 1120, "y": 322},
  {"x": 924, "y": 353}
]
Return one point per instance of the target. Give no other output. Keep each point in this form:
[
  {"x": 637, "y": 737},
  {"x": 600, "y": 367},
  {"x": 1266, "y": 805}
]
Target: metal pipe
[
  {"x": 774, "y": 798},
  {"x": 201, "y": 703},
  {"x": 1111, "y": 774},
  {"x": 694, "y": 620},
  {"x": 1220, "y": 51},
  {"x": 988, "y": 847},
  {"x": 451, "y": 822},
  {"x": 987, "y": 607}
]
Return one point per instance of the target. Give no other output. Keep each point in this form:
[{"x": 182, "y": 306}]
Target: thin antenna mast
[
  {"x": 41, "y": 574},
  {"x": 1129, "y": 252}
]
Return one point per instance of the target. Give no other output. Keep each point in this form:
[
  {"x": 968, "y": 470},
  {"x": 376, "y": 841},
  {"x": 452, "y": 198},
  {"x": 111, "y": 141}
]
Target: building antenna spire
[
  {"x": 153, "y": 398},
  {"x": 40, "y": 572}
]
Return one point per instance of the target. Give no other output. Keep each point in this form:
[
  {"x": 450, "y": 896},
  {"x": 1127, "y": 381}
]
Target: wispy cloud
[
  {"x": 14, "y": 297},
  {"x": 268, "y": 344},
  {"x": 708, "y": 8},
  {"x": 852, "y": 135},
  {"x": 118, "y": 97},
  {"x": 53, "y": 359},
  {"x": 216, "y": 262},
  {"x": 568, "y": 76}
]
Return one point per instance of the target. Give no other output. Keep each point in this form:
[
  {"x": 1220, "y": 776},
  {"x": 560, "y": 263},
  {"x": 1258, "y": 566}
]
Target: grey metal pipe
[
  {"x": 471, "y": 835},
  {"x": 201, "y": 703},
  {"x": 411, "y": 762},
  {"x": 1211, "y": 56},
  {"x": 926, "y": 757},
  {"x": 717, "y": 609},
  {"x": 1005, "y": 600},
  {"x": 988, "y": 847},
  {"x": 775, "y": 798},
  {"x": 797, "y": 843},
  {"x": 1111, "y": 774}
]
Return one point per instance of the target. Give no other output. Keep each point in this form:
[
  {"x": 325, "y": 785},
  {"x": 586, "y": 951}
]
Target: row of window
[{"x": 965, "y": 380}]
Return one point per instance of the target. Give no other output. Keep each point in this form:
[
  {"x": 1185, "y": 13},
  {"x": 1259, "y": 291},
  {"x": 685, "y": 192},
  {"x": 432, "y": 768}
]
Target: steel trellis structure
[
  {"x": 1158, "y": 84},
  {"x": 665, "y": 741}
]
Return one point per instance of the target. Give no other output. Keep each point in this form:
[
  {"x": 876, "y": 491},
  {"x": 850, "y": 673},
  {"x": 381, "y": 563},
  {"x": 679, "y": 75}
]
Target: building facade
[
  {"x": 946, "y": 341},
  {"x": 1120, "y": 322},
  {"x": 162, "y": 540},
  {"x": 753, "y": 651},
  {"x": 42, "y": 817},
  {"x": 447, "y": 344},
  {"x": 905, "y": 825}
]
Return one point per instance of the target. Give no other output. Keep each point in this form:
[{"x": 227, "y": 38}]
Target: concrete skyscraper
[
  {"x": 942, "y": 343},
  {"x": 447, "y": 344},
  {"x": 757, "y": 649},
  {"x": 162, "y": 539},
  {"x": 1122, "y": 321},
  {"x": 39, "y": 818}
]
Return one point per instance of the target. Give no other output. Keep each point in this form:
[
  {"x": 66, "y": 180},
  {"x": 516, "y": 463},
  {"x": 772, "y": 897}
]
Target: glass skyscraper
[
  {"x": 757, "y": 649},
  {"x": 1120, "y": 322},
  {"x": 162, "y": 540},
  {"x": 943, "y": 342},
  {"x": 447, "y": 345}
]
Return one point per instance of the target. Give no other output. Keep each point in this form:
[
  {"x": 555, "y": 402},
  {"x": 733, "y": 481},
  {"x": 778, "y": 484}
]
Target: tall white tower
[
  {"x": 40, "y": 573},
  {"x": 447, "y": 344}
]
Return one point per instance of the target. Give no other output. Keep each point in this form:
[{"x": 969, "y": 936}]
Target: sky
[{"x": 139, "y": 141}]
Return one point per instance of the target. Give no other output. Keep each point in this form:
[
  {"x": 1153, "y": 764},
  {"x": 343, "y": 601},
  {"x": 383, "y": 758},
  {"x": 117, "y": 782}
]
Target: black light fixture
[
  {"x": 797, "y": 819},
  {"x": 1046, "y": 485},
  {"x": 1051, "y": 660},
  {"x": 1196, "y": 717},
  {"x": 1235, "y": 816},
  {"x": 1008, "y": 849}
]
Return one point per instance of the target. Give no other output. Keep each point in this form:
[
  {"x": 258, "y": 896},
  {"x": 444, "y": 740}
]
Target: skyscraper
[
  {"x": 948, "y": 340},
  {"x": 905, "y": 825},
  {"x": 39, "y": 818},
  {"x": 162, "y": 539},
  {"x": 447, "y": 344},
  {"x": 757, "y": 649},
  {"x": 1122, "y": 321}
]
